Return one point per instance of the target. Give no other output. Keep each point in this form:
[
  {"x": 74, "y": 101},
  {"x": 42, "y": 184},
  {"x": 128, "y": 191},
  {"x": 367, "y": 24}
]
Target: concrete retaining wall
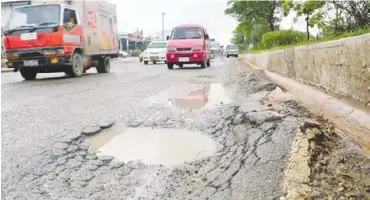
[{"x": 341, "y": 67}]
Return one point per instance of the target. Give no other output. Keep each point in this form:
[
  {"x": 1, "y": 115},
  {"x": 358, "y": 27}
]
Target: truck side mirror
[
  {"x": 206, "y": 37},
  {"x": 167, "y": 37}
]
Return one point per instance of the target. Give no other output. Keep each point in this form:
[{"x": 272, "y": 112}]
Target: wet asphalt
[{"x": 38, "y": 117}]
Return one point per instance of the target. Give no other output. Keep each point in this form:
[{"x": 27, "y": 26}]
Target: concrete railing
[
  {"x": 338, "y": 68},
  {"x": 341, "y": 66}
]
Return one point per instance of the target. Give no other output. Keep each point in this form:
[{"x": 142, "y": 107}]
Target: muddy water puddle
[
  {"x": 208, "y": 97},
  {"x": 153, "y": 146}
]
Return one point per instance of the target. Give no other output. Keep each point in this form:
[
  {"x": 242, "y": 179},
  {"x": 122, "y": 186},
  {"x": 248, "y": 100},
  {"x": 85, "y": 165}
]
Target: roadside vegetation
[{"x": 259, "y": 22}]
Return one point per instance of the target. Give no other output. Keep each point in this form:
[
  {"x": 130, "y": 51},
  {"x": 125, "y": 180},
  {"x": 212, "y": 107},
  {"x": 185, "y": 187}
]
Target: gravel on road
[{"x": 254, "y": 138}]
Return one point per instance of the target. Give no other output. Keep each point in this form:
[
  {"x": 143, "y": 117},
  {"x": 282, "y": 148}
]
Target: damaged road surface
[{"x": 209, "y": 134}]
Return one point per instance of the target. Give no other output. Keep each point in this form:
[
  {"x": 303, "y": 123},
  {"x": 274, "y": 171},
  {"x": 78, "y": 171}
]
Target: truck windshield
[
  {"x": 157, "y": 45},
  {"x": 186, "y": 33},
  {"x": 32, "y": 16}
]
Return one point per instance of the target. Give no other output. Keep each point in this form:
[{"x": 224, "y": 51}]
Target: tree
[
  {"x": 255, "y": 12},
  {"x": 355, "y": 14},
  {"x": 310, "y": 9},
  {"x": 238, "y": 38}
]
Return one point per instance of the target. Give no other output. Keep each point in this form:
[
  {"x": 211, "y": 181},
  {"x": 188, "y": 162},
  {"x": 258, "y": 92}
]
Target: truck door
[{"x": 72, "y": 36}]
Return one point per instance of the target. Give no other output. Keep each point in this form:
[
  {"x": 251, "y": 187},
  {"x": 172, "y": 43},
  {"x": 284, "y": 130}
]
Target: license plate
[
  {"x": 29, "y": 36},
  {"x": 184, "y": 59},
  {"x": 154, "y": 58},
  {"x": 30, "y": 63}
]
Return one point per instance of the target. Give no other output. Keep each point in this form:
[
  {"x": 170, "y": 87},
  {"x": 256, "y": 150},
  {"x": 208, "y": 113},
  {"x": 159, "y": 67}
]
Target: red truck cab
[
  {"x": 188, "y": 44},
  {"x": 48, "y": 38}
]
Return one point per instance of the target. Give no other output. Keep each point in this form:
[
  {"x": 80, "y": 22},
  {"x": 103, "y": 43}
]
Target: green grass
[{"x": 324, "y": 39}]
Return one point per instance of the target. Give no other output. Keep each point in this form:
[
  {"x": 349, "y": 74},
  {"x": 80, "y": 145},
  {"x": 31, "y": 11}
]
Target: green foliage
[
  {"x": 237, "y": 38},
  {"x": 310, "y": 9},
  {"x": 136, "y": 52},
  {"x": 350, "y": 16},
  {"x": 257, "y": 32},
  {"x": 258, "y": 19},
  {"x": 281, "y": 38},
  {"x": 258, "y": 48},
  {"x": 255, "y": 12}
]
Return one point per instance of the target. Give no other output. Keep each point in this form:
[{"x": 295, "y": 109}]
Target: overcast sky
[{"x": 147, "y": 15}]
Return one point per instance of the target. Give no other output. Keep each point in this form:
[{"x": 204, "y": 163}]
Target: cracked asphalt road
[{"x": 45, "y": 156}]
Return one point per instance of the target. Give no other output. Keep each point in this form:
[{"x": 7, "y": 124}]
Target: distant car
[
  {"x": 232, "y": 50},
  {"x": 155, "y": 52},
  {"x": 216, "y": 49},
  {"x": 122, "y": 54}
]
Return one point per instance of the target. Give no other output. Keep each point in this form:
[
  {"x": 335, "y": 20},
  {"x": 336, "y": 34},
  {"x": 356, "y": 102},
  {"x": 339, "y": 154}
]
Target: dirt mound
[{"x": 339, "y": 170}]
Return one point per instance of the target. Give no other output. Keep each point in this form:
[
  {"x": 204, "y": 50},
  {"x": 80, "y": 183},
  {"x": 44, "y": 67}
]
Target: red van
[{"x": 188, "y": 44}]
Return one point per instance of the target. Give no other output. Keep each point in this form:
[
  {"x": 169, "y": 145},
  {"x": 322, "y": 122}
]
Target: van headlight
[
  {"x": 171, "y": 49},
  {"x": 198, "y": 48}
]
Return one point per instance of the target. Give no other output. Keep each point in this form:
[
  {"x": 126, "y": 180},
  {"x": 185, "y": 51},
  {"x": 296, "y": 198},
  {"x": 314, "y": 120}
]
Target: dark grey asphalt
[
  {"x": 38, "y": 162},
  {"x": 36, "y": 113}
]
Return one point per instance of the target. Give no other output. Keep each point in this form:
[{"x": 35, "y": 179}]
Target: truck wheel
[
  {"x": 103, "y": 66},
  {"x": 77, "y": 67},
  {"x": 146, "y": 62},
  {"x": 170, "y": 65},
  {"x": 181, "y": 65},
  {"x": 28, "y": 74},
  {"x": 237, "y": 56},
  {"x": 154, "y": 62},
  {"x": 208, "y": 63},
  {"x": 203, "y": 64}
]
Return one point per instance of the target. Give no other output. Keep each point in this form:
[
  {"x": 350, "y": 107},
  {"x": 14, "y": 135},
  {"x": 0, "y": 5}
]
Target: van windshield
[
  {"x": 232, "y": 47},
  {"x": 157, "y": 45},
  {"x": 186, "y": 33}
]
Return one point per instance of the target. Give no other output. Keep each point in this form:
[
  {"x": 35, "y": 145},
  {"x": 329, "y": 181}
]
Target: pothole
[
  {"x": 210, "y": 96},
  {"x": 153, "y": 146}
]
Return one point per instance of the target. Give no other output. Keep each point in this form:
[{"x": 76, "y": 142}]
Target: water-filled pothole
[
  {"x": 153, "y": 146},
  {"x": 208, "y": 97}
]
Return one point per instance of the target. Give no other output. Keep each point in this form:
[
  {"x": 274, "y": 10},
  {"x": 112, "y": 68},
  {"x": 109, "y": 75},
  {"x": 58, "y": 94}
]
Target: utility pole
[{"x": 163, "y": 25}]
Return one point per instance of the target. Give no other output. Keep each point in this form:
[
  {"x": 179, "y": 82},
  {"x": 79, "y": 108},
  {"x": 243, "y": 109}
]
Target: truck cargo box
[{"x": 99, "y": 21}]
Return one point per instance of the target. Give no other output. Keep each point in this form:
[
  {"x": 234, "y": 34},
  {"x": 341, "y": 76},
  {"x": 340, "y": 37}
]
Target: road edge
[{"x": 347, "y": 119}]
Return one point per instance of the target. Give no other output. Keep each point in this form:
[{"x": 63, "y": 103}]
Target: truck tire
[
  {"x": 181, "y": 65},
  {"x": 170, "y": 65},
  {"x": 77, "y": 67},
  {"x": 145, "y": 62},
  {"x": 154, "y": 62},
  {"x": 103, "y": 65},
  {"x": 28, "y": 74}
]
